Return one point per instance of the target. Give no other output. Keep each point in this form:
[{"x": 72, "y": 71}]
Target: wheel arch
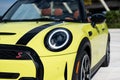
[
  {"x": 109, "y": 37},
  {"x": 85, "y": 45}
]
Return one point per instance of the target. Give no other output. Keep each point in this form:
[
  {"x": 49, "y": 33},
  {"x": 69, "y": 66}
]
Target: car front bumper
[{"x": 23, "y": 63}]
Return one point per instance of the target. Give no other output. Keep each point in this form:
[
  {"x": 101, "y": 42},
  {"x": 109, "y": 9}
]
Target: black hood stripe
[{"x": 29, "y": 35}]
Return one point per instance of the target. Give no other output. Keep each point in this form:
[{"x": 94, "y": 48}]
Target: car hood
[
  {"x": 12, "y": 32},
  {"x": 24, "y": 34}
]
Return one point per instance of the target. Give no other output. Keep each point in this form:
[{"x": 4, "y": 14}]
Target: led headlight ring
[{"x": 58, "y": 39}]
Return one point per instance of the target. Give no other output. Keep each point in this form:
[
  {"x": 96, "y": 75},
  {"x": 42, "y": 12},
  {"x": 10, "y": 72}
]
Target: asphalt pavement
[{"x": 113, "y": 71}]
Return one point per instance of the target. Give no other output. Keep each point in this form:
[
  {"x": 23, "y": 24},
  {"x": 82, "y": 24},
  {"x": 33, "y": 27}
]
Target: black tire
[
  {"x": 82, "y": 67},
  {"x": 107, "y": 56}
]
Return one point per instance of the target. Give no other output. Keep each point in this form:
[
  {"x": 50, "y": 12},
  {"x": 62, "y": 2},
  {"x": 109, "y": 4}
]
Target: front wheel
[
  {"x": 85, "y": 68},
  {"x": 82, "y": 69}
]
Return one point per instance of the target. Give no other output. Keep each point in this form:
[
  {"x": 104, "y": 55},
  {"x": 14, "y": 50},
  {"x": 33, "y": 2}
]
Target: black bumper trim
[
  {"x": 27, "y": 78},
  {"x": 65, "y": 72}
]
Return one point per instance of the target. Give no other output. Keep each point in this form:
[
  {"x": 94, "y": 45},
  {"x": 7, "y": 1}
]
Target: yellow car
[{"x": 52, "y": 40}]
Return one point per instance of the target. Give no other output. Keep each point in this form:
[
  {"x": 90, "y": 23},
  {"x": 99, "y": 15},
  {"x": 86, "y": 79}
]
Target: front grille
[
  {"x": 5, "y": 75},
  {"x": 9, "y": 54}
]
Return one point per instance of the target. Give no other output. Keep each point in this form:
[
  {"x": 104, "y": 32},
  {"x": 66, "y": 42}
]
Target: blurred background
[{"x": 110, "y": 7}]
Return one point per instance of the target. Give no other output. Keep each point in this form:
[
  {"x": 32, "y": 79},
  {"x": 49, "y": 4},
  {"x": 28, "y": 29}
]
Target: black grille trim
[
  {"x": 32, "y": 54},
  {"x": 9, "y": 75},
  {"x": 13, "y": 55}
]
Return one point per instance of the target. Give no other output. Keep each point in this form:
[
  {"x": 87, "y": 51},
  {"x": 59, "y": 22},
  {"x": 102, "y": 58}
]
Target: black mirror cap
[{"x": 98, "y": 18}]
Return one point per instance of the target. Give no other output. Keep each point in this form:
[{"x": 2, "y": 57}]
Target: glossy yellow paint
[
  {"x": 79, "y": 31},
  {"x": 54, "y": 66},
  {"x": 20, "y": 28},
  {"x": 54, "y": 62},
  {"x": 37, "y": 43},
  {"x": 99, "y": 43},
  {"x": 24, "y": 67}
]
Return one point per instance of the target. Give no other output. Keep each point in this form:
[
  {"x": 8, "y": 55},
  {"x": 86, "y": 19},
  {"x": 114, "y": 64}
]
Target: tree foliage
[{"x": 113, "y": 19}]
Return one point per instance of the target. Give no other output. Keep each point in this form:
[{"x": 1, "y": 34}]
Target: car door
[
  {"x": 98, "y": 22},
  {"x": 95, "y": 44},
  {"x": 98, "y": 39},
  {"x": 94, "y": 37},
  {"x": 103, "y": 35}
]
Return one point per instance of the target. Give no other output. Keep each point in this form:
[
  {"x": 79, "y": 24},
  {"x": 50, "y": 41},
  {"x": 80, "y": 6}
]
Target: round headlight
[{"x": 58, "y": 39}]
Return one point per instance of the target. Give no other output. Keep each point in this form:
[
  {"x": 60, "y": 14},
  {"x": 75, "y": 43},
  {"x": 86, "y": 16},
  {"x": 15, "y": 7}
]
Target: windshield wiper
[
  {"x": 38, "y": 19},
  {"x": 56, "y": 19},
  {"x": 46, "y": 19},
  {"x": 0, "y": 18},
  {"x": 5, "y": 20}
]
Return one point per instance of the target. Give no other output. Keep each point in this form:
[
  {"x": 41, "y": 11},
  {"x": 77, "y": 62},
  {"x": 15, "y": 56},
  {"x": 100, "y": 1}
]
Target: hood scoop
[{"x": 7, "y": 33}]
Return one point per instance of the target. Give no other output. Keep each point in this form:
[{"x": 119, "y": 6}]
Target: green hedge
[{"x": 113, "y": 19}]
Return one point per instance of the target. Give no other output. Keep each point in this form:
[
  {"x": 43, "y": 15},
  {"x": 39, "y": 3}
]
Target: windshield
[{"x": 44, "y": 9}]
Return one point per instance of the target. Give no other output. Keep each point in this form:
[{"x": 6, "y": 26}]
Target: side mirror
[{"x": 97, "y": 18}]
